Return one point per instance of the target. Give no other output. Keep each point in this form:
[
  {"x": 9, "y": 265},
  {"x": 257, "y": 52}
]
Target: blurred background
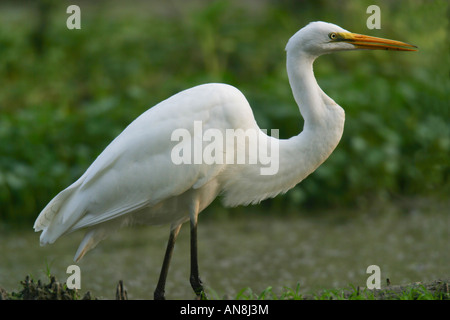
[{"x": 65, "y": 94}]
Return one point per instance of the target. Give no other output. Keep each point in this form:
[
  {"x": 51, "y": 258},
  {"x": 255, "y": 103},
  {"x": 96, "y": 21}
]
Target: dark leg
[
  {"x": 159, "y": 291},
  {"x": 196, "y": 283}
]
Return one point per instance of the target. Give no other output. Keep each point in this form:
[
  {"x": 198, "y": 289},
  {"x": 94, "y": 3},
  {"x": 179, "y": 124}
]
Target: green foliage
[
  {"x": 67, "y": 93},
  {"x": 268, "y": 294},
  {"x": 349, "y": 293}
]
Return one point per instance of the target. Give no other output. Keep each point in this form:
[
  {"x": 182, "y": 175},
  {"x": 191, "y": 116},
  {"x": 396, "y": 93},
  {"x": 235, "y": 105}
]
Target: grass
[
  {"x": 269, "y": 294},
  {"x": 410, "y": 292},
  {"x": 436, "y": 290}
]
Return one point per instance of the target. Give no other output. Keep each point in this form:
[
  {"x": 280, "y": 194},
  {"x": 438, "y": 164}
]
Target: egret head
[{"x": 319, "y": 38}]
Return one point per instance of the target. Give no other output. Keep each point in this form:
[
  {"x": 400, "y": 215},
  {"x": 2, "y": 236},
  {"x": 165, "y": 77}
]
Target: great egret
[{"x": 135, "y": 180}]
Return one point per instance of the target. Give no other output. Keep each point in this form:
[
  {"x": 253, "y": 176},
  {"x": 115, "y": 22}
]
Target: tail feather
[
  {"x": 90, "y": 240},
  {"x": 97, "y": 234},
  {"x": 46, "y": 216},
  {"x": 50, "y": 219}
]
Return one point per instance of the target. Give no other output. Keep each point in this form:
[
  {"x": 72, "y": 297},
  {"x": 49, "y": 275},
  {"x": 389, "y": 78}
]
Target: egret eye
[{"x": 333, "y": 36}]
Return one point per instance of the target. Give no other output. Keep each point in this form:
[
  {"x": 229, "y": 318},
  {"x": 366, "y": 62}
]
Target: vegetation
[
  {"x": 437, "y": 290},
  {"x": 54, "y": 290},
  {"x": 67, "y": 93}
]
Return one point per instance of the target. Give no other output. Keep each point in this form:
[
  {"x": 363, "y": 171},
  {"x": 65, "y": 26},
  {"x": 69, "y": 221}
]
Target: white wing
[{"x": 136, "y": 170}]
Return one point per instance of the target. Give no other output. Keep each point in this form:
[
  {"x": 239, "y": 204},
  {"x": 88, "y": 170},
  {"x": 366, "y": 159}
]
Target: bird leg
[
  {"x": 196, "y": 283},
  {"x": 159, "y": 291}
]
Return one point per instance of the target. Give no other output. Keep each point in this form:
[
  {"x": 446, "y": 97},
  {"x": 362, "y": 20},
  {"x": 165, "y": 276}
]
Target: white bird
[{"x": 136, "y": 180}]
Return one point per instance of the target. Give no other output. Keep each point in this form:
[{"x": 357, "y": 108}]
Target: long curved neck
[
  {"x": 300, "y": 155},
  {"x": 323, "y": 119},
  {"x": 310, "y": 99}
]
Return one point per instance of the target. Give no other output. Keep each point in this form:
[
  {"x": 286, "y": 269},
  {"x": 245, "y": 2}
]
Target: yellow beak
[{"x": 367, "y": 42}]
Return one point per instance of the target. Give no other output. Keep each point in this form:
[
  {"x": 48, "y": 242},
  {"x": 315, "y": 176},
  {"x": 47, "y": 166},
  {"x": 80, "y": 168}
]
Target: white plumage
[{"x": 134, "y": 180}]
